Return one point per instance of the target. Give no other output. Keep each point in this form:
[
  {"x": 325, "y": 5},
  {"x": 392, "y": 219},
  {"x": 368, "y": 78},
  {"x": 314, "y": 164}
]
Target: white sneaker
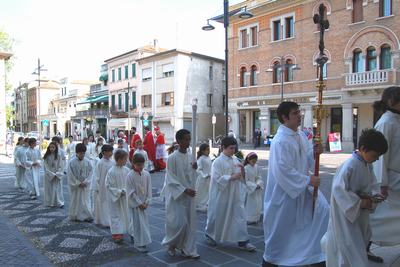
[
  {"x": 248, "y": 247},
  {"x": 142, "y": 249},
  {"x": 190, "y": 256}
]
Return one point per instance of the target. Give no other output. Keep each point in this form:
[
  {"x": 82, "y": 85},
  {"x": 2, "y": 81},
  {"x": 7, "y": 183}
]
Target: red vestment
[
  {"x": 160, "y": 153},
  {"x": 149, "y": 146},
  {"x": 135, "y": 137}
]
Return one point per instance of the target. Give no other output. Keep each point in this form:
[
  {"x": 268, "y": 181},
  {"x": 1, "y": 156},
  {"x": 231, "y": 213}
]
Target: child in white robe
[
  {"x": 79, "y": 178},
  {"x": 19, "y": 160},
  {"x": 116, "y": 196},
  {"x": 180, "y": 206},
  {"x": 203, "y": 177},
  {"x": 352, "y": 200},
  {"x": 63, "y": 156},
  {"x": 226, "y": 218},
  {"x": 139, "y": 196},
  {"x": 53, "y": 173},
  {"x": 71, "y": 148},
  {"x": 139, "y": 150},
  {"x": 101, "y": 212},
  {"x": 33, "y": 164},
  {"x": 254, "y": 189}
]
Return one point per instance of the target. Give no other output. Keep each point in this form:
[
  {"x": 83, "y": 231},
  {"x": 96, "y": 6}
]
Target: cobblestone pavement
[{"x": 34, "y": 235}]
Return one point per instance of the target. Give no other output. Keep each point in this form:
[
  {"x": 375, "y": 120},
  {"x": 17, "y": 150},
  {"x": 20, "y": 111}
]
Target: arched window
[
  {"x": 243, "y": 77},
  {"x": 358, "y": 61},
  {"x": 371, "y": 59},
  {"x": 253, "y": 75},
  {"x": 276, "y": 73},
  {"x": 385, "y": 58},
  {"x": 288, "y": 70}
]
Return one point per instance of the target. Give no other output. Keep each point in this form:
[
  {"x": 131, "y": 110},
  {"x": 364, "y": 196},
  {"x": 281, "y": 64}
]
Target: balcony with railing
[
  {"x": 93, "y": 112},
  {"x": 377, "y": 77}
]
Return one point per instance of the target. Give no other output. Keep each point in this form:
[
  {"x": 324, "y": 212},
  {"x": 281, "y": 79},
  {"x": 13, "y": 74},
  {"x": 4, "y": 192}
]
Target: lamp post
[
  {"x": 283, "y": 66},
  {"x": 213, "y": 121},
  {"x": 244, "y": 14},
  {"x": 38, "y": 121},
  {"x": 194, "y": 130}
]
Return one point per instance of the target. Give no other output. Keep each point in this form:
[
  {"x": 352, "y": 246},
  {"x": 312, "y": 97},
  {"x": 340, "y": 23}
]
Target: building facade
[
  {"x": 281, "y": 43},
  {"x": 21, "y": 108},
  {"x": 169, "y": 81}
]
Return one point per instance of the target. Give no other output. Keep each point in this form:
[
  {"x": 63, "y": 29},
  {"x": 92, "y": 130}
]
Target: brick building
[{"x": 362, "y": 45}]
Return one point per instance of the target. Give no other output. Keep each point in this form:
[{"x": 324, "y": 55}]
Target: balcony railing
[
  {"x": 93, "y": 112},
  {"x": 368, "y": 77}
]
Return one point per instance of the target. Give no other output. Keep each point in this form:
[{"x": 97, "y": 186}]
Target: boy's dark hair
[
  {"x": 106, "y": 148},
  {"x": 373, "y": 140},
  {"x": 55, "y": 139},
  {"x": 48, "y": 150},
  {"x": 110, "y": 140},
  {"x": 20, "y": 140},
  {"x": 98, "y": 131},
  {"x": 147, "y": 128},
  {"x": 284, "y": 109},
  {"x": 32, "y": 141},
  {"x": 80, "y": 148},
  {"x": 228, "y": 141},
  {"x": 181, "y": 134},
  {"x": 120, "y": 154},
  {"x": 138, "y": 158},
  {"x": 26, "y": 140},
  {"x": 70, "y": 136},
  {"x": 133, "y": 128},
  {"x": 120, "y": 141}
]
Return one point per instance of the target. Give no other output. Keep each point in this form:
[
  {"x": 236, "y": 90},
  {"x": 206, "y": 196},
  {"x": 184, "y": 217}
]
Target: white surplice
[
  {"x": 32, "y": 173},
  {"x": 180, "y": 209},
  {"x": 226, "y": 218},
  {"x": 348, "y": 232},
  {"x": 91, "y": 155},
  {"x": 79, "y": 171},
  {"x": 19, "y": 160},
  {"x": 71, "y": 150},
  {"x": 53, "y": 175},
  {"x": 292, "y": 235},
  {"x": 203, "y": 182},
  {"x": 254, "y": 197},
  {"x": 101, "y": 212},
  {"x": 146, "y": 158},
  {"x": 385, "y": 220},
  {"x": 117, "y": 201},
  {"x": 138, "y": 187}
]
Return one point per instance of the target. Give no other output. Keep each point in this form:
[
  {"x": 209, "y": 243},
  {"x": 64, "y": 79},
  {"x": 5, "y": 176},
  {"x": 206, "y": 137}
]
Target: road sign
[{"x": 45, "y": 122}]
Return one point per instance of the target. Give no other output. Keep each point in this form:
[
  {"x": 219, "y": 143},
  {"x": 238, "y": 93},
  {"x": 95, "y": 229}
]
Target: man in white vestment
[{"x": 292, "y": 233}]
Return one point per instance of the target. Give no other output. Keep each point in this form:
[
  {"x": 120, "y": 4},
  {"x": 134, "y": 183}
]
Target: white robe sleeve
[
  {"x": 133, "y": 199},
  {"x": 171, "y": 181},
  {"x": 250, "y": 185},
  {"x": 381, "y": 165},
  {"x": 111, "y": 185},
  {"x": 89, "y": 175},
  {"x": 149, "y": 189},
  {"x": 73, "y": 179},
  {"x": 200, "y": 169},
  {"x": 287, "y": 176},
  {"x": 348, "y": 202},
  {"x": 218, "y": 176},
  {"x": 47, "y": 169}
]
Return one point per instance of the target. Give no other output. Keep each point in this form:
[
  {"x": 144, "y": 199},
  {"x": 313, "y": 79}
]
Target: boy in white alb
[
  {"x": 33, "y": 163},
  {"x": 139, "y": 150}
]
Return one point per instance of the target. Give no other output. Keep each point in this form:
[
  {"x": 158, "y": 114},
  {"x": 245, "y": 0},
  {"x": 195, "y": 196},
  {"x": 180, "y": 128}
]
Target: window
[
  {"x": 289, "y": 27},
  {"x": 385, "y": 57},
  {"x": 358, "y": 61},
  {"x": 126, "y": 72},
  {"x": 243, "y": 77},
  {"x": 209, "y": 100},
  {"x": 167, "y": 99},
  {"x": 288, "y": 70},
  {"x": 371, "y": 59},
  {"x": 113, "y": 75},
  {"x": 243, "y": 38},
  {"x": 325, "y": 71},
  {"x": 276, "y": 72},
  {"x": 357, "y": 10},
  {"x": 248, "y": 36},
  {"x": 119, "y": 101},
  {"x": 254, "y": 35},
  {"x": 119, "y": 74},
  {"x": 168, "y": 70},
  {"x": 133, "y": 100},
  {"x": 113, "y": 103},
  {"x": 277, "y": 30},
  {"x": 210, "y": 73},
  {"x": 133, "y": 70},
  {"x": 253, "y": 75},
  {"x": 146, "y": 101},
  {"x": 126, "y": 102},
  {"x": 146, "y": 74},
  {"x": 385, "y": 8}
]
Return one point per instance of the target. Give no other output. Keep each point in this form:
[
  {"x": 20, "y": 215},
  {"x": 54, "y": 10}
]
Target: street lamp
[
  {"x": 244, "y": 14},
  {"x": 283, "y": 66},
  {"x": 37, "y": 72}
]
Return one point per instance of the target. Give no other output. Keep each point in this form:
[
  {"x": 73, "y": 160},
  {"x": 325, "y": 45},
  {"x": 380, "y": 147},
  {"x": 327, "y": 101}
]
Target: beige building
[
  {"x": 21, "y": 108},
  {"x": 362, "y": 45}
]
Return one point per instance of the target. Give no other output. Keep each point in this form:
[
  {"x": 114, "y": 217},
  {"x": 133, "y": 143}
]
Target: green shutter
[
  {"x": 133, "y": 99},
  {"x": 126, "y": 72},
  {"x": 126, "y": 102},
  {"x": 119, "y": 101},
  {"x": 134, "y": 71},
  {"x": 113, "y": 102},
  {"x": 113, "y": 75},
  {"x": 119, "y": 74}
]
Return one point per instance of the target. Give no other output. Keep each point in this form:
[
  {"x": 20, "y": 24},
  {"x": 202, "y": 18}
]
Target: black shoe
[{"x": 374, "y": 258}]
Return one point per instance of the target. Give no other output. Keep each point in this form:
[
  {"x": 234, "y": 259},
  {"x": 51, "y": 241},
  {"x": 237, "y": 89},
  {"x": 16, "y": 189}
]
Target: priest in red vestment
[
  {"x": 160, "y": 150},
  {"x": 149, "y": 147}
]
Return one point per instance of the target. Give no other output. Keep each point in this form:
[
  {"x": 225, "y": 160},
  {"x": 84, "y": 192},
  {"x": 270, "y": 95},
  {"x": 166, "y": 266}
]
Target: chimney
[{"x": 155, "y": 45}]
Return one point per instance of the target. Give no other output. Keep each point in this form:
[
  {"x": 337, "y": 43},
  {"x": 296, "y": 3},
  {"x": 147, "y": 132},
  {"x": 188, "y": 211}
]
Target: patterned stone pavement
[{"x": 47, "y": 237}]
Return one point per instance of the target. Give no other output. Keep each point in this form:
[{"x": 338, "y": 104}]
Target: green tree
[{"x": 6, "y": 44}]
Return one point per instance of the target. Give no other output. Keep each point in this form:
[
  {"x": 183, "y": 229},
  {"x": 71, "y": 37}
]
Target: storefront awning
[
  {"x": 94, "y": 99},
  {"x": 103, "y": 77},
  {"x": 117, "y": 123}
]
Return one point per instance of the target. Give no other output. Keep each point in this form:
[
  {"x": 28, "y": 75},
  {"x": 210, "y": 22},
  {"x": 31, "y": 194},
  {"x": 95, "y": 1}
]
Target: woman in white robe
[
  {"x": 79, "y": 178},
  {"x": 203, "y": 177},
  {"x": 53, "y": 174},
  {"x": 385, "y": 220},
  {"x": 139, "y": 196},
  {"x": 33, "y": 165}
]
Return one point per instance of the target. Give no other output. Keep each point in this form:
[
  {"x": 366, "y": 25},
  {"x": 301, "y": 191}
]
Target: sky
[{"x": 72, "y": 38}]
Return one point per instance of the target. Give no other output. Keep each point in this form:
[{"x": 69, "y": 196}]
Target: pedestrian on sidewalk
[
  {"x": 53, "y": 174},
  {"x": 19, "y": 161},
  {"x": 386, "y": 218},
  {"x": 352, "y": 200},
  {"x": 116, "y": 196},
  {"x": 101, "y": 209},
  {"x": 180, "y": 206},
  {"x": 203, "y": 177},
  {"x": 139, "y": 196},
  {"x": 254, "y": 189},
  {"x": 79, "y": 174},
  {"x": 292, "y": 233},
  {"x": 226, "y": 217},
  {"x": 33, "y": 164}
]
